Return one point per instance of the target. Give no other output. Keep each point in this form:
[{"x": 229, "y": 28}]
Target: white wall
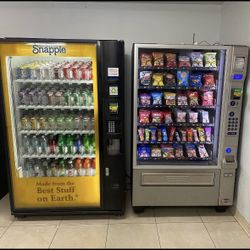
[
  {"x": 133, "y": 22},
  {"x": 235, "y": 29}
]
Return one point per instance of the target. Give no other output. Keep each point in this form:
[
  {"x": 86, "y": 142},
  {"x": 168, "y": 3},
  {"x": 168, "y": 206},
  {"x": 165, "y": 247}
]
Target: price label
[{"x": 113, "y": 72}]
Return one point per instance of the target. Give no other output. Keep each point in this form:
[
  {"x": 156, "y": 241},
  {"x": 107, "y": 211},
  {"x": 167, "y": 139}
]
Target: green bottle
[
  {"x": 60, "y": 144},
  {"x": 86, "y": 144}
]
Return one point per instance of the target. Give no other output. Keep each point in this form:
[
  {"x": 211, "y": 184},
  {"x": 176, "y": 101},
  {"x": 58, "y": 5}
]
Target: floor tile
[
  {"x": 184, "y": 235},
  {"x": 85, "y": 220},
  {"x": 27, "y": 236},
  {"x": 2, "y": 230},
  {"x": 80, "y": 236},
  {"x": 39, "y": 220},
  {"x": 5, "y": 215},
  {"x": 210, "y": 215},
  {"x": 132, "y": 236},
  {"x": 176, "y": 214},
  {"x": 228, "y": 235}
]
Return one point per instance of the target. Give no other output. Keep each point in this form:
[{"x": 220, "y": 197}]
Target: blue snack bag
[
  {"x": 153, "y": 134},
  {"x": 157, "y": 98},
  {"x": 164, "y": 134},
  {"x": 143, "y": 151},
  {"x": 182, "y": 78},
  {"x": 196, "y": 80}
]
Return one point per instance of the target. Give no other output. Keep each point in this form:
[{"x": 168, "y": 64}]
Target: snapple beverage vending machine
[
  {"x": 64, "y": 116},
  {"x": 186, "y": 122}
]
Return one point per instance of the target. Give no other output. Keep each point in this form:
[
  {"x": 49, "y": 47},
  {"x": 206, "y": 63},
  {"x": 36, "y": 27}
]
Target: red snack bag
[
  {"x": 144, "y": 116},
  {"x": 184, "y": 61},
  {"x": 208, "y": 80},
  {"x": 171, "y": 133},
  {"x": 183, "y": 135},
  {"x": 208, "y": 98},
  {"x": 158, "y": 59},
  {"x": 193, "y": 98},
  {"x": 171, "y": 60},
  {"x": 168, "y": 117},
  {"x": 146, "y": 60},
  {"x": 189, "y": 134},
  {"x": 156, "y": 116}
]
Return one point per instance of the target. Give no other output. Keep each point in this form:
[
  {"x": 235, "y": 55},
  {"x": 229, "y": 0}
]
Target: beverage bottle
[
  {"x": 62, "y": 168},
  {"x": 36, "y": 145},
  {"x": 77, "y": 97},
  {"x": 27, "y": 147},
  {"x": 44, "y": 167},
  {"x": 78, "y": 145},
  {"x": 44, "y": 145},
  {"x": 68, "y": 122},
  {"x": 92, "y": 144},
  {"x": 86, "y": 144},
  {"x": 44, "y": 98},
  {"x": 93, "y": 167},
  {"x": 54, "y": 168},
  {"x": 52, "y": 145},
  {"x": 86, "y": 166},
  {"x": 61, "y": 144},
  {"x": 70, "y": 144},
  {"x": 70, "y": 168},
  {"x": 28, "y": 169},
  {"x": 47, "y": 167},
  {"x": 77, "y": 122},
  {"x": 36, "y": 167},
  {"x": 78, "y": 166}
]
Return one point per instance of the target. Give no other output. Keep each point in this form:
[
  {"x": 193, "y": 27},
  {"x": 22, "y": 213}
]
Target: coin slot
[{"x": 113, "y": 146}]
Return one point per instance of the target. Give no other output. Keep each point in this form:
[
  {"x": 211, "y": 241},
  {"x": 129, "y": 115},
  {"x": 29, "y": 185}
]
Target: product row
[
  {"x": 60, "y": 144},
  {"x": 192, "y": 98},
  {"x": 171, "y": 60},
  {"x": 172, "y": 134},
  {"x": 59, "y": 168},
  {"x": 63, "y": 121},
  {"x": 177, "y": 116},
  {"x": 182, "y": 78},
  {"x": 75, "y": 70},
  {"x": 175, "y": 151},
  {"x": 56, "y": 96}
]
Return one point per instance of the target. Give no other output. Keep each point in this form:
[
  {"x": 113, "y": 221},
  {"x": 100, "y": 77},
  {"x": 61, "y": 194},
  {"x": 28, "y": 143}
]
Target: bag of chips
[
  {"x": 145, "y": 99},
  {"x": 183, "y": 135},
  {"x": 182, "y": 78},
  {"x": 170, "y": 98},
  {"x": 146, "y": 60},
  {"x": 156, "y": 116},
  {"x": 158, "y": 79},
  {"x": 147, "y": 134},
  {"x": 210, "y": 59},
  {"x": 177, "y": 136},
  {"x": 193, "y": 98},
  {"x": 159, "y": 135},
  {"x": 182, "y": 99},
  {"x": 155, "y": 151},
  {"x": 181, "y": 116},
  {"x": 208, "y": 132},
  {"x": 158, "y": 59},
  {"x": 168, "y": 117},
  {"x": 145, "y": 78},
  {"x": 143, "y": 151},
  {"x": 208, "y": 80},
  {"x": 195, "y": 80},
  {"x": 208, "y": 98},
  {"x": 193, "y": 116},
  {"x": 189, "y": 134},
  {"x": 141, "y": 134},
  {"x": 171, "y": 60},
  {"x": 191, "y": 150},
  {"x": 195, "y": 135},
  {"x": 164, "y": 134},
  {"x": 153, "y": 134},
  {"x": 171, "y": 133},
  {"x": 184, "y": 62},
  {"x": 201, "y": 133},
  {"x": 197, "y": 59},
  {"x": 170, "y": 79},
  {"x": 202, "y": 151},
  {"x": 144, "y": 116},
  {"x": 167, "y": 152},
  {"x": 178, "y": 151},
  {"x": 157, "y": 98},
  {"x": 204, "y": 116}
]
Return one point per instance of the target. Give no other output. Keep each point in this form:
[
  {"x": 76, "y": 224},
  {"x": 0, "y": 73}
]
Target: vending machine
[
  {"x": 64, "y": 108},
  {"x": 187, "y": 102}
]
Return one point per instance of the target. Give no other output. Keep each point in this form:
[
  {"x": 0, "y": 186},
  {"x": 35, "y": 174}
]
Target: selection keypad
[{"x": 232, "y": 127}]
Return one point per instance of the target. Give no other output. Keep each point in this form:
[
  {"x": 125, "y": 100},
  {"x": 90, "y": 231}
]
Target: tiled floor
[{"x": 155, "y": 228}]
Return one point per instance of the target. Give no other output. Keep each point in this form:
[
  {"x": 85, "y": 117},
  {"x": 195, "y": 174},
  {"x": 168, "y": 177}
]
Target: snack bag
[
  {"x": 195, "y": 80},
  {"x": 208, "y": 132},
  {"x": 197, "y": 59},
  {"x": 158, "y": 59},
  {"x": 157, "y": 116},
  {"x": 144, "y": 116},
  {"x": 143, "y": 151},
  {"x": 177, "y": 136},
  {"x": 157, "y": 79},
  {"x": 193, "y": 116},
  {"x": 171, "y": 133},
  {"x": 182, "y": 78},
  {"x": 201, "y": 133},
  {"x": 189, "y": 134},
  {"x": 167, "y": 151},
  {"x": 183, "y": 135},
  {"x": 147, "y": 134},
  {"x": 145, "y": 99},
  {"x": 182, "y": 99},
  {"x": 170, "y": 79},
  {"x": 191, "y": 150},
  {"x": 146, "y": 60},
  {"x": 181, "y": 116},
  {"x": 164, "y": 134},
  {"x": 195, "y": 134},
  {"x": 157, "y": 98},
  {"x": 208, "y": 80},
  {"x": 155, "y": 151},
  {"x": 145, "y": 78},
  {"x": 202, "y": 151},
  {"x": 205, "y": 116},
  {"x": 210, "y": 59},
  {"x": 153, "y": 134},
  {"x": 178, "y": 151},
  {"x": 170, "y": 98},
  {"x": 141, "y": 134},
  {"x": 171, "y": 60},
  {"x": 159, "y": 135},
  {"x": 168, "y": 117},
  {"x": 193, "y": 98},
  {"x": 208, "y": 98},
  {"x": 184, "y": 61}
]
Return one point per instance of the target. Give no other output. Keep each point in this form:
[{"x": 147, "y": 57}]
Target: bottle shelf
[
  {"x": 35, "y": 107},
  {"x": 184, "y": 124},
  {"x": 57, "y": 156},
  {"x": 38, "y": 132},
  {"x": 177, "y": 106},
  {"x": 58, "y": 81}
]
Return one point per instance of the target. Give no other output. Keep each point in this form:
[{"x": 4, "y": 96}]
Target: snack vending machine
[
  {"x": 64, "y": 116},
  {"x": 185, "y": 128}
]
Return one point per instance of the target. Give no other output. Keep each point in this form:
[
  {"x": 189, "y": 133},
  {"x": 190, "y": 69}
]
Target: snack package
[
  {"x": 168, "y": 117},
  {"x": 193, "y": 116},
  {"x": 193, "y": 98},
  {"x": 141, "y": 134},
  {"x": 171, "y": 60},
  {"x": 158, "y": 59},
  {"x": 201, "y": 133},
  {"x": 208, "y": 80},
  {"x": 208, "y": 98},
  {"x": 164, "y": 134},
  {"x": 153, "y": 134},
  {"x": 195, "y": 80},
  {"x": 197, "y": 59},
  {"x": 181, "y": 116},
  {"x": 178, "y": 150},
  {"x": 182, "y": 99},
  {"x": 145, "y": 78},
  {"x": 145, "y": 99},
  {"x": 189, "y": 134},
  {"x": 210, "y": 59},
  {"x": 167, "y": 152},
  {"x": 158, "y": 79},
  {"x": 204, "y": 116},
  {"x": 208, "y": 132},
  {"x": 171, "y": 133},
  {"x": 155, "y": 151},
  {"x": 195, "y": 135},
  {"x": 170, "y": 79},
  {"x": 147, "y": 134},
  {"x": 143, "y": 151},
  {"x": 146, "y": 60},
  {"x": 159, "y": 135},
  {"x": 191, "y": 150},
  {"x": 157, "y": 116},
  {"x": 157, "y": 98},
  {"x": 202, "y": 151},
  {"x": 184, "y": 61},
  {"x": 144, "y": 116},
  {"x": 182, "y": 78},
  {"x": 170, "y": 98},
  {"x": 177, "y": 136},
  {"x": 183, "y": 135}
]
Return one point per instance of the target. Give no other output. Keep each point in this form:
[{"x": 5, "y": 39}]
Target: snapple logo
[{"x": 37, "y": 49}]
